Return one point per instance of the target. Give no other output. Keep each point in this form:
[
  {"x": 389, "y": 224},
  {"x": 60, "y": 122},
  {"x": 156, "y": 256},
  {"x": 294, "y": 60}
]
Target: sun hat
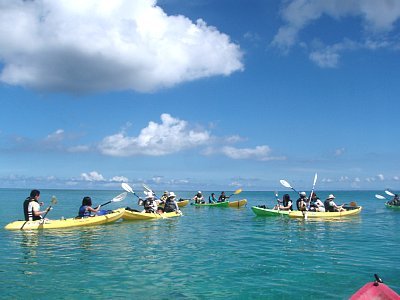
[
  {"x": 303, "y": 194},
  {"x": 331, "y": 196},
  {"x": 172, "y": 195}
]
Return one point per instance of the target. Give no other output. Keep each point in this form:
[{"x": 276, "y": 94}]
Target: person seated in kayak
[
  {"x": 164, "y": 197},
  {"x": 170, "y": 204},
  {"x": 287, "y": 203},
  {"x": 198, "y": 198},
  {"x": 316, "y": 204},
  {"x": 301, "y": 203},
  {"x": 395, "y": 201},
  {"x": 86, "y": 208},
  {"x": 331, "y": 206},
  {"x": 222, "y": 197},
  {"x": 211, "y": 198},
  {"x": 32, "y": 207},
  {"x": 151, "y": 204}
]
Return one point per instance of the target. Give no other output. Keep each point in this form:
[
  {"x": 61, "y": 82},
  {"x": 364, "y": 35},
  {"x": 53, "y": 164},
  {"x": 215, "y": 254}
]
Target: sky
[{"x": 210, "y": 95}]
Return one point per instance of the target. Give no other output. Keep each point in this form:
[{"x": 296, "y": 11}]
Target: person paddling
[
  {"x": 222, "y": 197},
  {"x": 32, "y": 207},
  {"x": 211, "y": 198},
  {"x": 198, "y": 198},
  {"x": 331, "y": 206},
  {"x": 170, "y": 204},
  {"x": 86, "y": 208},
  {"x": 287, "y": 203}
]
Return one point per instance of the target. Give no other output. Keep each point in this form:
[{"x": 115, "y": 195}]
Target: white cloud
[
  {"x": 380, "y": 177},
  {"x": 339, "y": 151},
  {"x": 396, "y": 178},
  {"x": 56, "y": 136},
  {"x": 83, "y": 46},
  {"x": 119, "y": 179},
  {"x": 377, "y": 17},
  {"x": 171, "y": 136},
  {"x": 92, "y": 176},
  {"x": 259, "y": 153}
]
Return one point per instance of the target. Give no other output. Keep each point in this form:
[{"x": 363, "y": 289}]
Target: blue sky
[{"x": 188, "y": 95}]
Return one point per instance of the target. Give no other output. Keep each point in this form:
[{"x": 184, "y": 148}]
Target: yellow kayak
[
  {"x": 134, "y": 215},
  {"x": 181, "y": 203},
  {"x": 316, "y": 214},
  {"x": 66, "y": 223},
  {"x": 237, "y": 203}
]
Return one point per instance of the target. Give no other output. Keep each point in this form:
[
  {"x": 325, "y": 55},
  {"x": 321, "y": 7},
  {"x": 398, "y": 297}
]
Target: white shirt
[{"x": 33, "y": 206}]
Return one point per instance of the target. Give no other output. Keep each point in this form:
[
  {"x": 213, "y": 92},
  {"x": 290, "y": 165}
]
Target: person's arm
[
  {"x": 38, "y": 213},
  {"x": 93, "y": 210}
]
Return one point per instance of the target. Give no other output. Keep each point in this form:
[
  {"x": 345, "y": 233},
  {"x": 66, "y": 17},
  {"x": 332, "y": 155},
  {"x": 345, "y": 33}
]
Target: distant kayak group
[
  {"x": 154, "y": 207},
  {"x": 168, "y": 206}
]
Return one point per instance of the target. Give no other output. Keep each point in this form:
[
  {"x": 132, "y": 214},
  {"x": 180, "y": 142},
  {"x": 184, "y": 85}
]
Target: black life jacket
[
  {"x": 169, "y": 206},
  {"x": 148, "y": 205},
  {"x": 327, "y": 205},
  {"x": 286, "y": 203},
  {"x": 29, "y": 214}
]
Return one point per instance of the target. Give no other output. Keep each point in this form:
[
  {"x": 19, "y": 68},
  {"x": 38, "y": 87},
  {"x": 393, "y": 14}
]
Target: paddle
[
  {"x": 235, "y": 193},
  {"x": 277, "y": 200},
  {"x": 53, "y": 201},
  {"x": 313, "y": 186},
  {"x": 128, "y": 188},
  {"x": 287, "y": 185},
  {"x": 380, "y": 197},
  {"x": 389, "y": 193},
  {"x": 118, "y": 198},
  {"x": 149, "y": 190}
]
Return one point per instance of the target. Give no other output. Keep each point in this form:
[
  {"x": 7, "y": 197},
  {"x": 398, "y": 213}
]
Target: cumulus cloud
[
  {"x": 92, "y": 176},
  {"x": 378, "y": 18},
  {"x": 89, "y": 46},
  {"x": 262, "y": 153},
  {"x": 170, "y": 136},
  {"x": 119, "y": 179}
]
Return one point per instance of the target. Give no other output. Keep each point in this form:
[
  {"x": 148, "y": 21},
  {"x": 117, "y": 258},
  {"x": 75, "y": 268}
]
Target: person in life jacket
[
  {"x": 331, "y": 206},
  {"x": 32, "y": 207},
  {"x": 150, "y": 203},
  {"x": 170, "y": 204},
  {"x": 86, "y": 208},
  {"x": 287, "y": 203},
  {"x": 211, "y": 198},
  {"x": 222, "y": 197},
  {"x": 395, "y": 201},
  {"x": 198, "y": 198},
  {"x": 301, "y": 203},
  {"x": 164, "y": 197},
  {"x": 316, "y": 204}
]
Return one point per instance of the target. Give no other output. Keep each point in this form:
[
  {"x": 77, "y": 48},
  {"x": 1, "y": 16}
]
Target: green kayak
[
  {"x": 216, "y": 204},
  {"x": 397, "y": 207},
  {"x": 262, "y": 210}
]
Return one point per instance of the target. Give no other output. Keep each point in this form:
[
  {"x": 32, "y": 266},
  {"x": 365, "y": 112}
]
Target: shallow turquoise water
[{"x": 207, "y": 253}]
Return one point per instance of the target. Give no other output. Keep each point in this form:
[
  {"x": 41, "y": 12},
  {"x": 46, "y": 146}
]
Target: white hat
[
  {"x": 331, "y": 196},
  {"x": 149, "y": 195},
  {"x": 199, "y": 192},
  {"x": 303, "y": 194},
  {"x": 172, "y": 194}
]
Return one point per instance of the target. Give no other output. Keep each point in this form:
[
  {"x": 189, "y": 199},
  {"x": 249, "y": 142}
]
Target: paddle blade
[
  {"x": 380, "y": 197},
  {"x": 53, "y": 200},
  {"x": 120, "y": 197},
  {"x": 147, "y": 188},
  {"x": 237, "y": 191},
  {"x": 285, "y": 183},
  {"x": 127, "y": 187},
  {"x": 389, "y": 193}
]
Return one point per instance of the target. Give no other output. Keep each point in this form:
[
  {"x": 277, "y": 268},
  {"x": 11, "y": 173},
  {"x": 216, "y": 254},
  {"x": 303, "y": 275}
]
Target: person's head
[
  {"x": 222, "y": 193},
  {"x": 286, "y": 197},
  {"x": 35, "y": 194},
  {"x": 166, "y": 193},
  {"x": 149, "y": 196},
  {"x": 172, "y": 195},
  {"x": 313, "y": 195},
  {"x": 212, "y": 194},
  {"x": 303, "y": 194},
  {"x": 198, "y": 194},
  {"x": 331, "y": 197},
  {"x": 87, "y": 201}
]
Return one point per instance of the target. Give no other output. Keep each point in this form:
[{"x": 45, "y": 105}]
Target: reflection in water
[{"x": 29, "y": 248}]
